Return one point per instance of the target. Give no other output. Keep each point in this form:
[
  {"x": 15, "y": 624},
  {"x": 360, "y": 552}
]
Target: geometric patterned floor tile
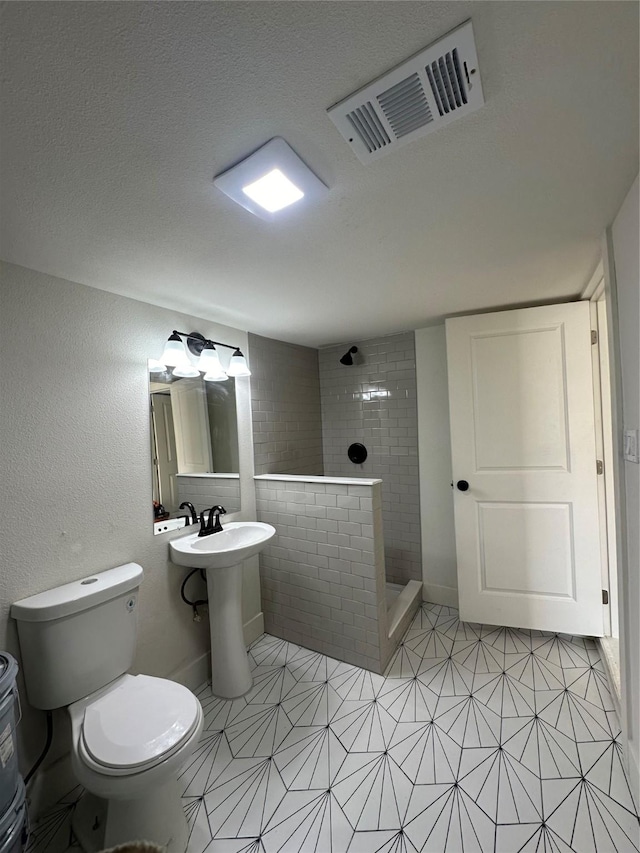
[
  {"x": 210, "y": 758},
  {"x": 309, "y": 822},
  {"x": 52, "y": 833},
  {"x": 446, "y": 677},
  {"x": 373, "y": 791},
  {"x": 355, "y": 684},
  {"x": 425, "y": 753},
  {"x": 244, "y": 797},
  {"x": 468, "y": 721},
  {"x": 445, "y": 819},
  {"x": 543, "y": 749},
  {"x": 309, "y": 757},
  {"x": 363, "y": 726},
  {"x": 382, "y": 841},
  {"x": 408, "y": 700},
  {"x": 478, "y": 739},
  {"x": 506, "y": 790},
  {"x": 575, "y": 717},
  {"x": 311, "y": 703},
  {"x": 587, "y": 819},
  {"x": 504, "y": 694},
  {"x": 258, "y": 730}
]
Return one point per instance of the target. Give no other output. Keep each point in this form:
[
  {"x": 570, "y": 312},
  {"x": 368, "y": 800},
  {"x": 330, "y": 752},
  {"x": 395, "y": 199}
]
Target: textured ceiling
[{"x": 116, "y": 117}]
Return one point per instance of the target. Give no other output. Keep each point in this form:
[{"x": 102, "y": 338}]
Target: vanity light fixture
[
  {"x": 205, "y": 358},
  {"x": 156, "y": 366},
  {"x": 174, "y": 353},
  {"x": 270, "y": 180},
  {"x": 238, "y": 365},
  {"x": 209, "y": 363},
  {"x": 209, "y": 360},
  {"x": 186, "y": 372}
]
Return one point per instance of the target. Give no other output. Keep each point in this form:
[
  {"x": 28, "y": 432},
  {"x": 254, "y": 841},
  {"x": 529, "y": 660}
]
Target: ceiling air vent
[{"x": 433, "y": 88}]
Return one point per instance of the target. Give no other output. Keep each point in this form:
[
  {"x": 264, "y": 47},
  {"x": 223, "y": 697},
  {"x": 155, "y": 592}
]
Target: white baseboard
[
  {"x": 610, "y": 656},
  {"x": 634, "y": 774},
  {"x": 253, "y": 629},
  {"x": 194, "y": 673},
  {"x": 437, "y": 594}
]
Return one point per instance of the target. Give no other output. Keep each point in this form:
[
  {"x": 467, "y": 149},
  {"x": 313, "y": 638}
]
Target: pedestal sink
[{"x": 221, "y": 555}]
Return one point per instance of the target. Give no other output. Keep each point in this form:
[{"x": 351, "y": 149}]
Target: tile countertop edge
[
  {"x": 301, "y": 478},
  {"x": 213, "y": 476}
]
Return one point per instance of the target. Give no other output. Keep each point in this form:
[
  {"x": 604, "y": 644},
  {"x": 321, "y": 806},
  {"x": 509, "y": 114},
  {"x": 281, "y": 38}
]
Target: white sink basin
[{"x": 238, "y": 541}]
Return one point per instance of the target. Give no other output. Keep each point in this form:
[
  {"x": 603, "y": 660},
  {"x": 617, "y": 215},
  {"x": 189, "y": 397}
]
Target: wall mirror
[{"x": 194, "y": 444}]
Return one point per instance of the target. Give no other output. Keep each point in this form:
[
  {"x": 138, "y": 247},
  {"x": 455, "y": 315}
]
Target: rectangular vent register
[{"x": 433, "y": 88}]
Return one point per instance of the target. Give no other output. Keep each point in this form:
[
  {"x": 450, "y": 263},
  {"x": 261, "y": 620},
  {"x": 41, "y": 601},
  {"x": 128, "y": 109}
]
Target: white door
[
  {"x": 191, "y": 424},
  {"x": 164, "y": 452},
  {"x": 523, "y": 438}
]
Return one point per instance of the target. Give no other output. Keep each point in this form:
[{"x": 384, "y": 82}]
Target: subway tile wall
[
  {"x": 374, "y": 401},
  {"x": 285, "y": 398},
  {"x": 205, "y": 492},
  {"x": 323, "y": 573}
]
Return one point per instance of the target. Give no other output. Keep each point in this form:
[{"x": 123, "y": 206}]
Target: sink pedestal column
[{"x": 231, "y": 676}]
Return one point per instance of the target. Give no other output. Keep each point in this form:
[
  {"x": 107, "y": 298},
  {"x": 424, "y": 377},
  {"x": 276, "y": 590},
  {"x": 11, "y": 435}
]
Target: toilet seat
[{"x": 138, "y": 723}]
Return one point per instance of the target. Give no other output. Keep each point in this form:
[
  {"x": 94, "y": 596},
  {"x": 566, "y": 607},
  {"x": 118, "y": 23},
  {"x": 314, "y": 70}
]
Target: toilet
[{"x": 131, "y": 734}]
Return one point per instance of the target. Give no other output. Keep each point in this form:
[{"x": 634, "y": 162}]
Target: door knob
[{"x": 462, "y": 485}]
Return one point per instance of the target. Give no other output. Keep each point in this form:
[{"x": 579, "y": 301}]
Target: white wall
[
  {"x": 434, "y": 452},
  {"x": 624, "y": 240},
  {"x": 76, "y": 488}
]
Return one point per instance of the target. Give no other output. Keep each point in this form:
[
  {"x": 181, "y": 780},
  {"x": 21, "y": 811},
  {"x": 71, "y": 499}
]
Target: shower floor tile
[{"x": 478, "y": 740}]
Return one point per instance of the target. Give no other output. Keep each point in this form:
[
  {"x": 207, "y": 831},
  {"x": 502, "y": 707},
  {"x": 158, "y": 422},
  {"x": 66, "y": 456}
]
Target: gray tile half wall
[
  {"x": 207, "y": 490},
  {"x": 285, "y": 400},
  {"x": 323, "y": 575},
  {"x": 374, "y": 401}
]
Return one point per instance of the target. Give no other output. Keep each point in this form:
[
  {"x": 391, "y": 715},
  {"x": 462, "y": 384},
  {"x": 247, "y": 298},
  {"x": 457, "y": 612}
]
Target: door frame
[
  {"x": 600, "y": 309},
  {"x": 613, "y": 653}
]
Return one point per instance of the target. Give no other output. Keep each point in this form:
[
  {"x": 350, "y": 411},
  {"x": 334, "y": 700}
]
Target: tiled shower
[
  {"x": 308, "y": 408},
  {"x": 374, "y": 402}
]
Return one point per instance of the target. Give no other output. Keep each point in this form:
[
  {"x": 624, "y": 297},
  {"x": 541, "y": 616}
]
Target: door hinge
[
  {"x": 605, "y": 596},
  {"x": 599, "y": 466},
  {"x": 594, "y": 336}
]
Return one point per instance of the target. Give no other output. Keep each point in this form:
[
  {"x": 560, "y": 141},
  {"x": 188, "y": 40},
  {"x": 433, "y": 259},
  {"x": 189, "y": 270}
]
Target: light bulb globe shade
[
  {"x": 209, "y": 361},
  {"x": 212, "y": 376},
  {"x": 174, "y": 353},
  {"x": 187, "y": 371},
  {"x": 238, "y": 365},
  {"x": 155, "y": 366}
]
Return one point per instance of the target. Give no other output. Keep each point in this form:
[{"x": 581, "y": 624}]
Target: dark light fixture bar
[{"x": 204, "y": 351}]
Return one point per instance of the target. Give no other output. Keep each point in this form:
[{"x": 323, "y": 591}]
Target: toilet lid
[{"x": 139, "y": 721}]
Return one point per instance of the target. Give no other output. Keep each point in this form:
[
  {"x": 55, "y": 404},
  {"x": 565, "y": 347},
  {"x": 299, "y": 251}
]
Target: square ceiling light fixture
[{"x": 271, "y": 181}]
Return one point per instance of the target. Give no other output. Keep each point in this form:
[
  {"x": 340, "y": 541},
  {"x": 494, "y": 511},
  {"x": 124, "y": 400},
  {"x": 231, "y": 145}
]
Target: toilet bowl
[
  {"x": 130, "y": 740},
  {"x": 130, "y": 733}
]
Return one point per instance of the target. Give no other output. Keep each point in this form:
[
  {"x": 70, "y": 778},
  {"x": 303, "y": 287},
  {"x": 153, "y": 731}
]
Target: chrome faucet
[{"x": 212, "y": 524}]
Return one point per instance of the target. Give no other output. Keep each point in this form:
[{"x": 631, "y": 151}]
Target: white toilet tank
[{"x": 78, "y": 637}]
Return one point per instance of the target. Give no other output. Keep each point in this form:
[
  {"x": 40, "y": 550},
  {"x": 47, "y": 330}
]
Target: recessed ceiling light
[
  {"x": 273, "y": 191},
  {"x": 271, "y": 180}
]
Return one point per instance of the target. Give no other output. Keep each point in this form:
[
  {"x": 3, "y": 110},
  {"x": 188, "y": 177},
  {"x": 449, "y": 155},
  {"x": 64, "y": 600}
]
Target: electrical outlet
[{"x": 631, "y": 446}]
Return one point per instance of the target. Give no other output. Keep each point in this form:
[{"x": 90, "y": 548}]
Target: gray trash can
[
  {"x": 14, "y": 824},
  {"x": 9, "y": 718}
]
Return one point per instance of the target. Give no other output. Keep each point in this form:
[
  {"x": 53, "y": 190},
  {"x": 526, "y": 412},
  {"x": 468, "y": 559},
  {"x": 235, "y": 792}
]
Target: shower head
[{"x": 347, "y": 358}]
